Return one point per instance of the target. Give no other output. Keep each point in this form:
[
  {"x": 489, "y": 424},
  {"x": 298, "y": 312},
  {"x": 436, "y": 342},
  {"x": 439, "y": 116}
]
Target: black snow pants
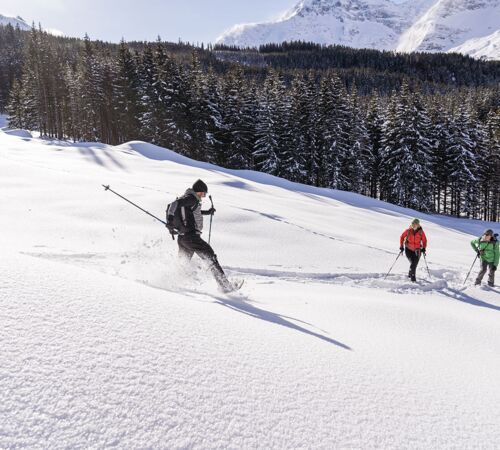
[
  {"x": 414, "y": 258},
  {"x": 491, "y": 275},
  {"x": 192, "y": 243}
]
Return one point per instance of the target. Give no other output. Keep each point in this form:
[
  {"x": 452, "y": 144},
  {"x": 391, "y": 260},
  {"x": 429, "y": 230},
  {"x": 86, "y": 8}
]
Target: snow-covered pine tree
[
  {"x": 148, "y": 104},
  {"x": 463, "y": 165},
  {"x": 197, "y": 109},
  {"x": 215, "y": 125},
  {"x": 333, "y": 143},
  {"x": 239, "y": 113},
  {"x": 283, "y": 125},
  {"x": 272, "y": 117},
  {"x": 11, "y": 60},
  {"x": 73, "y": 108},
  {"x": 491, "y": 162},
  {"x": 478, "y": 135},
  {"x": 440, "y": 153},
  {"x": 406, "y": 152},
  {"x": 27, "y": 103},
  {"x": 358, "y": 156},
  {"x": 299, "y": 163},
  {"x": 372, "y": 157},
  {"x": 15, "y": 108},
  {"x": 165, "y": 92},
  {"x": 91, "y": 95},
  {"x": 126, "y": 95}
]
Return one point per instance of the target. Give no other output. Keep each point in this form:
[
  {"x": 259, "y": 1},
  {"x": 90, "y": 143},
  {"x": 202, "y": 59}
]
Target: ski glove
[
  {"x": 401, "y": 249},
  {"x": 423, "y": 250},
  {"x": 494, "y": 268},
  {"x": 209, "y": 212},
  {"x": 478, "y": 254}
]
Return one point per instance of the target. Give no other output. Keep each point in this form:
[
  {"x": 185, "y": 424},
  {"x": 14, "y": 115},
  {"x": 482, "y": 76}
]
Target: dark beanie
[{"x": 199, "y": 186}]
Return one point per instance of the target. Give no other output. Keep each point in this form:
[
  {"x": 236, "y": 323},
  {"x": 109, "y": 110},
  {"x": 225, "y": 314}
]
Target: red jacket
[{"x": 413, "y": 240}]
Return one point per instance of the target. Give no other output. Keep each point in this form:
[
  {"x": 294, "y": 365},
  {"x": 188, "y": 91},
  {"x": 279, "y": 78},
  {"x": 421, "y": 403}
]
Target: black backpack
[{"x": 174, "y": 220}]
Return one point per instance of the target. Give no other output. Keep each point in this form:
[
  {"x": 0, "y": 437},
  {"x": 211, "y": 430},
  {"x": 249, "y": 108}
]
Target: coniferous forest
[{"x": 419, "y": 130}]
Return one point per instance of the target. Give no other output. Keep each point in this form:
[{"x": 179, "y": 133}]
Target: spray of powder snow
[{"x": 155, "y": 262}]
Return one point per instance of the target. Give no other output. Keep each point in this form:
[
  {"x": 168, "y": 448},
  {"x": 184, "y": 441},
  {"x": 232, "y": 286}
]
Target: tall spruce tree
[
  {"x": 126, "y": 95},
  {"x": 406, "y": 153},
  {"x": 372, "y": 157},
  {"x": 333, "y": 141},
  {"x": 463, "y": 175},
  {"x": 270, "y": 126}
]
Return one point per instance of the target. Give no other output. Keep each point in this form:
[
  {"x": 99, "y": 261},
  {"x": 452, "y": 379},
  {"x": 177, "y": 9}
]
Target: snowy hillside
[
  {"x": 450, "y": 23},
  {"x": 106, "y": 343},
  {"x": 355, "y": 23},
  {"x": 487, "y": 47},
  {"x": 425, "y": 25},
  {"x": 14, "y": 21}
]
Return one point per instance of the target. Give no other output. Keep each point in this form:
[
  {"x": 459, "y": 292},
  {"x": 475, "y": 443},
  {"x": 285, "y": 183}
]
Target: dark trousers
[
  {"x": 485, "y": 265},
  {"x": 189, "y": 244},
  {"x": 414, "y": 258}
]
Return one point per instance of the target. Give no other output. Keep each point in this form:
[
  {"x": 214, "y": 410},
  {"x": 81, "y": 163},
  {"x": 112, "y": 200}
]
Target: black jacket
[{"x": 191, "y": 213}]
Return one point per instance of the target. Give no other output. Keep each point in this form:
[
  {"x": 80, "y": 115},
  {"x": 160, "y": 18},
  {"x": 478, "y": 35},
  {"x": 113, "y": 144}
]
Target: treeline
[
  {"x": 429, "y": 149},
  {"x": 382, "y": 70},
  {"x": 11, "y": 60}
]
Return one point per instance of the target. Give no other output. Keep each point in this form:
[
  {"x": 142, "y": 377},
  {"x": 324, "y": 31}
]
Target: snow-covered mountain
[
  {"x": 14, "y": 21},
  {"x": 105, "y": 342},
  {"x": 422, "y": 25},
  {"x": 355, "y": 23},
  {"x": 450, "y": 24},
  {"x": 23, "y": 25},
  {"x": 487, "y": 47}
]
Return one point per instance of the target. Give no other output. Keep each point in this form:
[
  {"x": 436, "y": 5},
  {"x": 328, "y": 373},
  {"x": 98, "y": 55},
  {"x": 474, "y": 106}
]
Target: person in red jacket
[{"x": 413, "y": 242}]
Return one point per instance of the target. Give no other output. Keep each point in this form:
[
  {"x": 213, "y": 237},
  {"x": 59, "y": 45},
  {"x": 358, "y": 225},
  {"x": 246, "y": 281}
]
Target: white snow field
[{"x": 105, "y": 343}]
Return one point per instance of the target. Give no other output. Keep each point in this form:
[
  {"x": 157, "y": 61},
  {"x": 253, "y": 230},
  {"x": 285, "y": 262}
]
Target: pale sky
[{"x": 110, "y": 20}]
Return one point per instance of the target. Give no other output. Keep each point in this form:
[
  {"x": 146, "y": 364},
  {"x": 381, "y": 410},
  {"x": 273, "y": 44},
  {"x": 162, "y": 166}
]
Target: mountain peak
[
  {"x": 356, "y": 23},
  {"x": 414, "y": 25},
  {"x": 14, "y": 21},
  {"x": 451, "y": 23}
]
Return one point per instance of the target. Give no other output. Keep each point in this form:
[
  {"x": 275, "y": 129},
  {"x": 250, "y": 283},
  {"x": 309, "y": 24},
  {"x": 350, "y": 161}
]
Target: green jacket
[{"x": 489, "y": 250}]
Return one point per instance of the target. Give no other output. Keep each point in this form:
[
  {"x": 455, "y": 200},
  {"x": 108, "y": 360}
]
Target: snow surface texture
[
  {"x": 106, "y": 342},
  {"x": 425, "y": 25}
]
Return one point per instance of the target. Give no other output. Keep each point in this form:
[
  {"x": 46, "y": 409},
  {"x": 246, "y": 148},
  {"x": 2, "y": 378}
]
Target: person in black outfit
[{"x": 190, "y": 241}]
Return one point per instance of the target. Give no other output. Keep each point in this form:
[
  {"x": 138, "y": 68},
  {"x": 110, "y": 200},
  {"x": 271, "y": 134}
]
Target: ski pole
[
  {"x": 107, "y": 188},
  {"x": 427, "y": 265},
  {"x": 211, "y": 217},
  {"x": 471, "y": 267},
  {"x": 387, "y": 274}
]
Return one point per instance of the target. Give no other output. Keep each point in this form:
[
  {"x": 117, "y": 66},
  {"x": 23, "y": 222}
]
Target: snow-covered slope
[
  {"x": 23, "y": 25},
  {"x": 450, "y": 23},
  {"x": 425, "y": 25},
  {"x": 105, "y": 343},
  {"x": 14, "y": 21},
  {"x": 487, "y": 47},
  {"x": 355, "y": 23}
]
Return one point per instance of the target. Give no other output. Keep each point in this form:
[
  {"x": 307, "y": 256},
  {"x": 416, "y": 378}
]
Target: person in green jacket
[{"x": 488, "y": 251}]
